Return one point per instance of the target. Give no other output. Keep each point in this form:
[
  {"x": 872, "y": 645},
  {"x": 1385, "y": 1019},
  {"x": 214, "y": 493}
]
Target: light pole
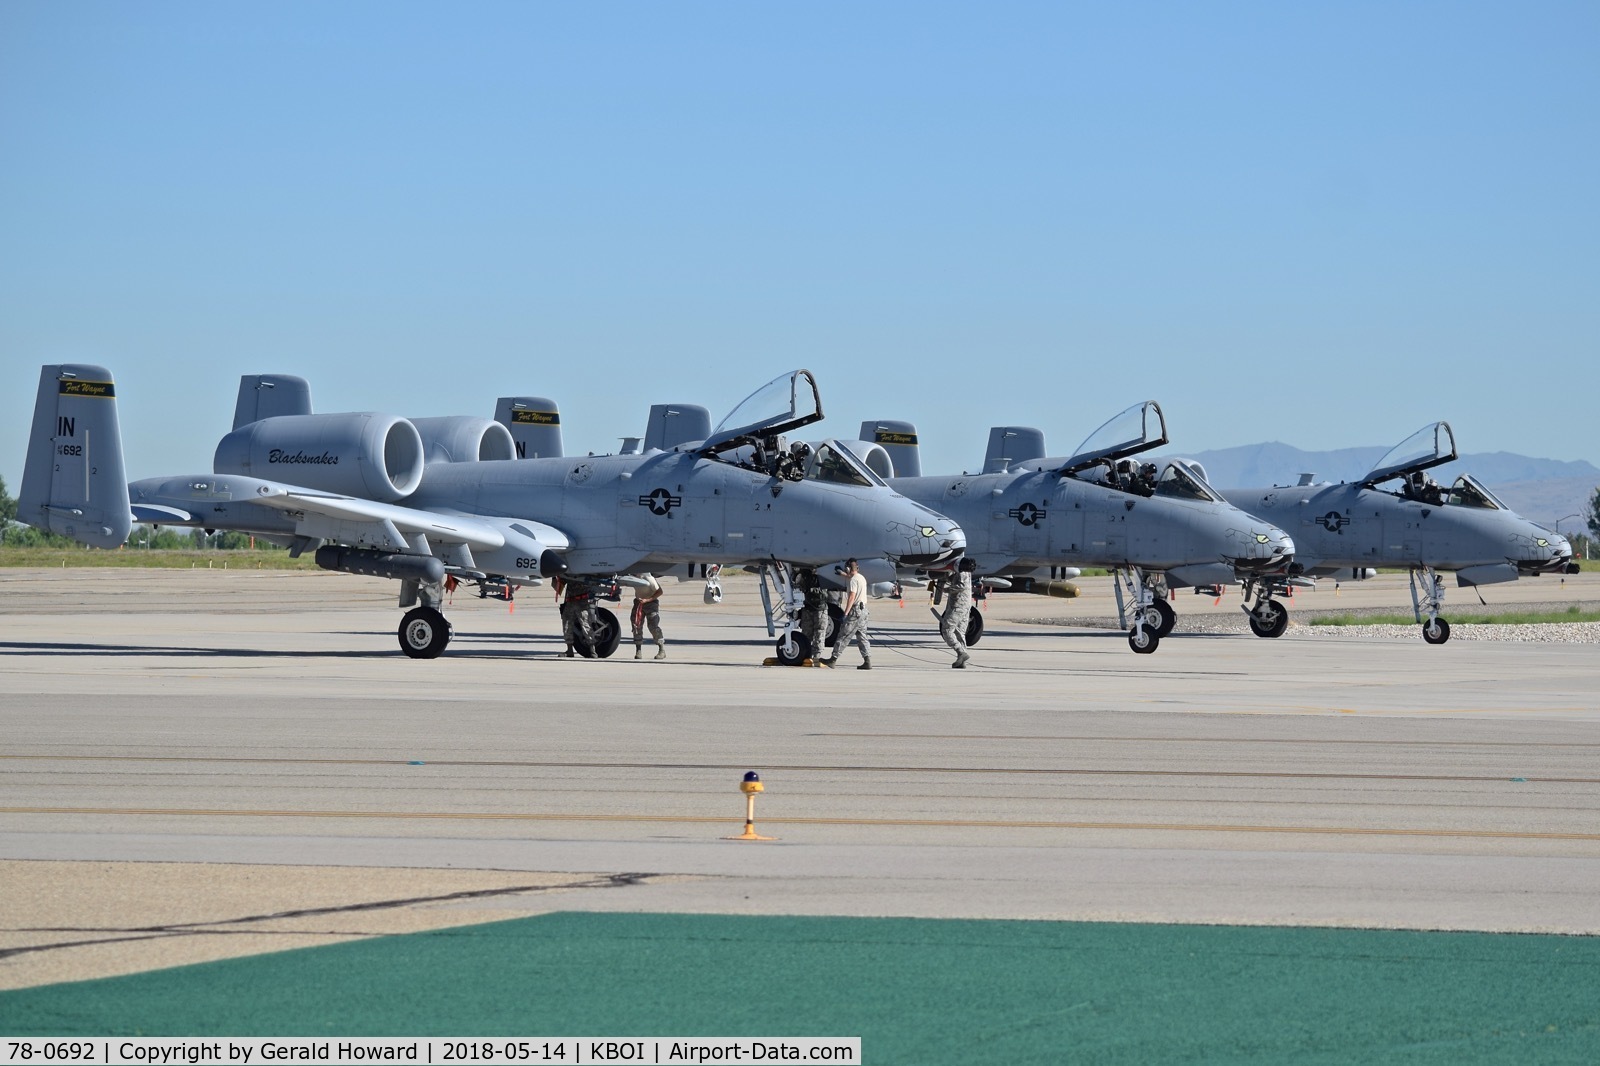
[{"x": 1563, "y": 518}]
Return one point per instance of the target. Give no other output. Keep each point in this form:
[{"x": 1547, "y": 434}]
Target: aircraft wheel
[
  {"x": 974, "y": 628},
  {"x": 800, "y": 653},
  {"x": 1143, "y": 640},
  {"x": 423, "y": 633},
  {"x": 1271, "y": 621},
  {"x": 1436, "y": 631},
  {"x": 835, "y": 622},
  {"x": 607, "y": 635},
  {"x": 1161, "y": 617}
]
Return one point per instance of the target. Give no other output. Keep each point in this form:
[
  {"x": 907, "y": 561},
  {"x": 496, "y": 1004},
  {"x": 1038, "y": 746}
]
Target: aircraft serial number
[
  {"x": 27, "y": 1050},
  {"x": 527, "y": 564},
  {"x": 71, "y": 449}
]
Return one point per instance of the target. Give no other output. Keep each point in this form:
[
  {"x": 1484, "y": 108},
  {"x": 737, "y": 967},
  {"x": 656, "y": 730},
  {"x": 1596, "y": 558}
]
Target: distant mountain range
[{"x": 1545, "y": 490}]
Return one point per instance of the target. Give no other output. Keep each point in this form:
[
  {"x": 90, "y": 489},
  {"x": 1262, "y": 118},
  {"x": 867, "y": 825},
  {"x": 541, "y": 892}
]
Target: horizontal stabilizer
[{"x": 157, "y": 514}]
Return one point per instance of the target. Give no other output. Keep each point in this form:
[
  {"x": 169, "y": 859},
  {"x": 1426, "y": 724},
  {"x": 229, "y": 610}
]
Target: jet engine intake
[
  {"x": 374, "y": 456},
  {"x": 463, "y": 439}
]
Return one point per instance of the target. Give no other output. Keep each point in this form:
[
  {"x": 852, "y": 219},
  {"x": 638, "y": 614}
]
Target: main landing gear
[
  {"x": 424, "y": 632},
  {"x": 784, "y": 603},
  {"x": 607, "y": 633},
  {"x": 1427, "y": 597}
]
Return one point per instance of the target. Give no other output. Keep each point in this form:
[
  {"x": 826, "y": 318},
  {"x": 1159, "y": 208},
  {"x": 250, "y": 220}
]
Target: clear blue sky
[{"x": 1325, "y": 224}]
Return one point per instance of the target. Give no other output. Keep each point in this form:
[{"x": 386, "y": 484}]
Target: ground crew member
[
  {"x": 814, "y": 614},
  {"x": 577, "y": 615},
  {"x": 957, "y": 609},
  {"x": 855, "y": 619},
  {"x": 647, "y": 610}
]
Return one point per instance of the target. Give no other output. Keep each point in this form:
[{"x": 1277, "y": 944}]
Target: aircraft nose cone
[
  {"x": 929, "y": 539},
  {"x": 1263, "y": 549}
]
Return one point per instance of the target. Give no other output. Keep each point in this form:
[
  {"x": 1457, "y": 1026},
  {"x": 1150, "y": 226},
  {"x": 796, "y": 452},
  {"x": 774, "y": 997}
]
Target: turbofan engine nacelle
[
  {"x": 374, "y": 456},
  {"x": 463, "y": 439}
]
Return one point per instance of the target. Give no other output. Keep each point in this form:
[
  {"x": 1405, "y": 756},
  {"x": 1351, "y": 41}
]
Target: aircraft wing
[{"x": 342, "y": 519}]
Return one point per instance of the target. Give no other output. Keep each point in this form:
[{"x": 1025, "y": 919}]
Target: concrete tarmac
[{"x": 201, "y": 764}]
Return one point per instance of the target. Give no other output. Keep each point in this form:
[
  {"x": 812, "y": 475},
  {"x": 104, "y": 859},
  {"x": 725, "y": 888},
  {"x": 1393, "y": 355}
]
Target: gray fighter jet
[
  {"x": 358, "y": 489},
  {"x": 1154, "y": 527},
  {"x": 1398, "y": 516}
]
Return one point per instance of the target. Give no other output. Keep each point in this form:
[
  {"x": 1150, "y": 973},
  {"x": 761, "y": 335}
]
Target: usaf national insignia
[
  {"x": 1334, "y": 522},
  {"x": 1028, "y": 514},
  {"x": 660, "y": 501}
]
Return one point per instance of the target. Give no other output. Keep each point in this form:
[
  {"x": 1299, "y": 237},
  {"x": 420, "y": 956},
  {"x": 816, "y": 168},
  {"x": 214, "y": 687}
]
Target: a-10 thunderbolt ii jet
[
  {"x": 356, "y": 488},
  {"x": 1397, "y": 516},
  {"x": 1097, "y": 507}
]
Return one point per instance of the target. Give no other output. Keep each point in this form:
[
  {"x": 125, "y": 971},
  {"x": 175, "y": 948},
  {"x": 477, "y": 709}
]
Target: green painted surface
[{"x": 914, "y": 990}]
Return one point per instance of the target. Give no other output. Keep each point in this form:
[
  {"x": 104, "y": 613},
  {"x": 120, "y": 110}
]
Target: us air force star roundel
[
  {"x": 1028, "y": 514},
  {"x": 1334, "y": 522},
  {"x": 660, "y": 501}
]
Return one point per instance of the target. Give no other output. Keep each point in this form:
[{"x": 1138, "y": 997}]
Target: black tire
[
  {"x": 1436, "y": 632},
  {"x": 974, "y": 628},
  {"x": 1143, "y": 640},
  {"x": 1165, "y": 617},
  {"x": 424, "y": 632},
  {"x": 801, "y": 652},
  {"x": 607, "y": 635},
  {"x": 1275, "y": 622},
  {"x": 835, "y": 623}
]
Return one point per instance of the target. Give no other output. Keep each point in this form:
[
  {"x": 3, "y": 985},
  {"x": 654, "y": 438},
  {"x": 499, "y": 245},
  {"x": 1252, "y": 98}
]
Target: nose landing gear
[
  {"x": 1144, "y": 635},
  {"x": 1268, "y": 617}
]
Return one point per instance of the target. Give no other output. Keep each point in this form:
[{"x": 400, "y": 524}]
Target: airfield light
[{"x": 750, "y": 786}]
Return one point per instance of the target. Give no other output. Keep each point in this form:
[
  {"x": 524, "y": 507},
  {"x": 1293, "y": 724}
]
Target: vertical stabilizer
[
  {"x": 74, "y": 482},
  {"x": 1011, "y": 446},
  {"x": 535, "y": 425},
  {"x": 269, "y": 395},
  {"x": 672, "y": 424},
  {"x": 899, "y": 439}
]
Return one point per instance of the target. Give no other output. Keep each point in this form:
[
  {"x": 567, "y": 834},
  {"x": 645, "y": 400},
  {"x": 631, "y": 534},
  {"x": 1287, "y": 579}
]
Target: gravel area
[{"x": 1458, "y": 615}]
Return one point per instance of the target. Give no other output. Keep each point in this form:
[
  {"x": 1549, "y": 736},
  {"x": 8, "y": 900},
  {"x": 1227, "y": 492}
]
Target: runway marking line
[
  {"x": 1025, "y": 771},
  {"x": 502, "y": 816}
]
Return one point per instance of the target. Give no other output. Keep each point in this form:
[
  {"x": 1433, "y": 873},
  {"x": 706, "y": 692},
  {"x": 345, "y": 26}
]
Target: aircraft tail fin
[
  {"x": 534, "y": 422},
  {"x": 672, "y": 424},
  {"x": 74, "y": 482},
  {"x": 899, "y": 439},
  {"x": 1011, "y": 446},
  {"x": 269, "y": 395}
]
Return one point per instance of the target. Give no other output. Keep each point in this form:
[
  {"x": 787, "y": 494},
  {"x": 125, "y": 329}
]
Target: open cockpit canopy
[
  {"x": 1138, "y": 429},
  {"x": 783, "y": 404},
  {"x": 1429, "y": 446}
]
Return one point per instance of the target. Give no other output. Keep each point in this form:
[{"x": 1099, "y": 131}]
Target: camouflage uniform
[{"x": 957, "y": 610}]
